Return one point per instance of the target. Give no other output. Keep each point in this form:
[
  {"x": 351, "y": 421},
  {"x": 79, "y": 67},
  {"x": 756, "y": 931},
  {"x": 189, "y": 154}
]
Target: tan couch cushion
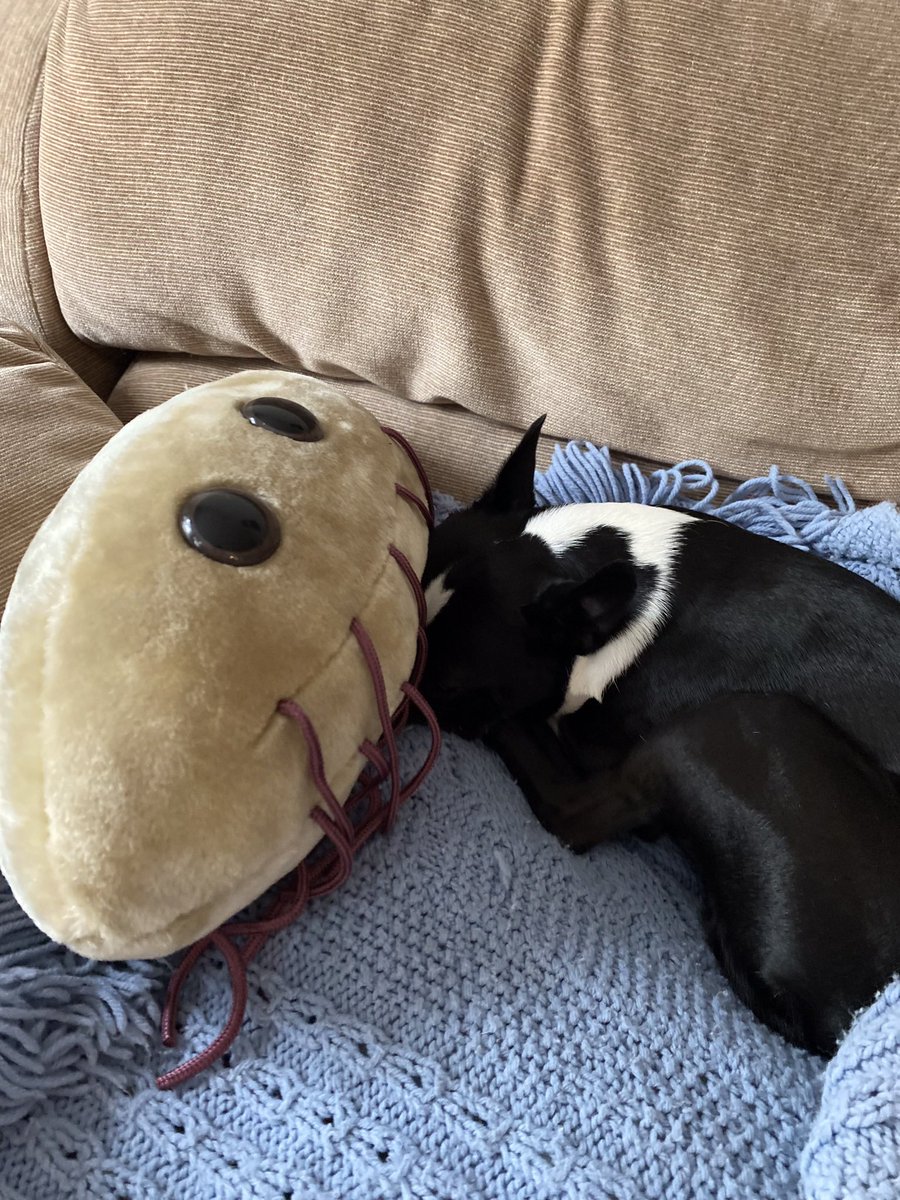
[
  {"x": 673, "y": 224},
  {"x": 51, "y": 425},
  {"x": 27, "y": 296},
  {"x": 460, "y": 450}
]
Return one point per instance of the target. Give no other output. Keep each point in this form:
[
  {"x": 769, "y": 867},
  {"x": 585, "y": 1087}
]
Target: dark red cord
[
  {"x": 406, "y": 567},
  {"x": 240, "y": 941},
  {"x": 417, "y": 502},
  {"x": 370, "y": 654},
  {"x": 404, "y": 445},
  {"x": 290, "y": 708}
]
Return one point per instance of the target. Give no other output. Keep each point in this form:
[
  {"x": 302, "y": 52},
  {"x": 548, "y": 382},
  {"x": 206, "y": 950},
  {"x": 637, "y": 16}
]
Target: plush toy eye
[
  {"x": 229, "y": 527},
  {"x": 283, "y": 417}
]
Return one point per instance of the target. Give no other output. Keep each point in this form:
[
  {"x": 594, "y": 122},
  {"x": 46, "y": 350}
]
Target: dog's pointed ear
[
  {"x": 513, "y": 489},
  {"x": 579, "y": 618}
]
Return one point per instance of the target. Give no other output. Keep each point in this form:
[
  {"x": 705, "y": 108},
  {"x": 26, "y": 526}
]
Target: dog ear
[
  {"x": 513, "y": 488},
  {"x": 579, "y": 618}
]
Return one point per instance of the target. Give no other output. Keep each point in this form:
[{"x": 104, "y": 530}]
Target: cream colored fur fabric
[{"x": 149, "y": 788}]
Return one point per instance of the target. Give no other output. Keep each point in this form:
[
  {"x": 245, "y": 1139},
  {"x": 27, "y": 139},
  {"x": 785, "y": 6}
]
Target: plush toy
[{"x": 202, "y": 648}]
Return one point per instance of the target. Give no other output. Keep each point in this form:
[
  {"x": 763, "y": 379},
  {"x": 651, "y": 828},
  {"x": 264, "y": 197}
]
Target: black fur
[
  {"x": 794, "y": 832},
  {"x": 746, "y": 614},
  {"x": 761, "y": 728}
]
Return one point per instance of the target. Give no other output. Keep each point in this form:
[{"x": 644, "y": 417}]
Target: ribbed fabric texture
[
  {"x": 27, "y": 295},
  {"x": 672, "y": 224},
  {"x": 476, "y": 1013},
  {"x": 460, "y": 450},
  {"x": 51, "y": 425}
]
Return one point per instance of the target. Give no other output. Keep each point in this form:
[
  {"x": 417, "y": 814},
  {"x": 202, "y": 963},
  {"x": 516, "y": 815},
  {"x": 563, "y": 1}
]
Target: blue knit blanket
[{"x": 475, "y": 1014}]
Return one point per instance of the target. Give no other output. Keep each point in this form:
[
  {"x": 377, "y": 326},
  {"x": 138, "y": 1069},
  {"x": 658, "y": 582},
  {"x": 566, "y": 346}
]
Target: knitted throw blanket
[{"x": 476, "y": 1013}]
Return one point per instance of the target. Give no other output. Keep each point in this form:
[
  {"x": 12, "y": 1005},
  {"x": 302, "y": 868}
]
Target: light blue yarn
[
  {"x": 475, "y": 1015},
  {"x": 775, "y": 505},
  {"x": 66, "y": 1024},
  {"x": 854, "y": 1146}
]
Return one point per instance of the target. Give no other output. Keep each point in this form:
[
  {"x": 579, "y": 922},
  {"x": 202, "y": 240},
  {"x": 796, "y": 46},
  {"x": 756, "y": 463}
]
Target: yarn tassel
[{"x": 775, "y": 505}]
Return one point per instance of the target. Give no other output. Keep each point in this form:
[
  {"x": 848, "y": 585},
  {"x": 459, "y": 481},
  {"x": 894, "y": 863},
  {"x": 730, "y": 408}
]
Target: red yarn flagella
[{"x": 240, "y": 941}]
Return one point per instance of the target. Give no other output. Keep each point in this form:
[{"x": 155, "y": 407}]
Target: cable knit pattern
[{"x": 476, "y": 1013}]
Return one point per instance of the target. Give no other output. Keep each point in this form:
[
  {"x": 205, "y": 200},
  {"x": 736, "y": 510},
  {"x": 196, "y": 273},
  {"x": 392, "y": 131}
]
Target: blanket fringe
[
  {"x": 775, "y": 505},
  {"x": 66, "y": 1022}
]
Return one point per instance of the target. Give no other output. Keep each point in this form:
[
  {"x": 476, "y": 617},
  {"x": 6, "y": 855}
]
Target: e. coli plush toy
[{"x": 216, "y": 631}]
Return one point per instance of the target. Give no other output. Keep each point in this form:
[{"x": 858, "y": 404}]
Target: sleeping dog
[{"x": 647, "y": 669}]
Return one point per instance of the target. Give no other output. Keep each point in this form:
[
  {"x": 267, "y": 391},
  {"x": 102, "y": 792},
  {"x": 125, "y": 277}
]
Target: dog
[{"x": 651, "y": 670}]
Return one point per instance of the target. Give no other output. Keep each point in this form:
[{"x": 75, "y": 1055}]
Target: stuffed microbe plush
[{"x": 243, "y": 554}]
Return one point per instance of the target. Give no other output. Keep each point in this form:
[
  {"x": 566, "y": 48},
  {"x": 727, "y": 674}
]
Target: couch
[{"x": 672, "y": 225}]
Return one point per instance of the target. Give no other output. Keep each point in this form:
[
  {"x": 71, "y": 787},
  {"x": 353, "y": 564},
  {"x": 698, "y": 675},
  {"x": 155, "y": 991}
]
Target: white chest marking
[
  {"x": 436, "y": 596},
  {"x": 653, "y": 537}
]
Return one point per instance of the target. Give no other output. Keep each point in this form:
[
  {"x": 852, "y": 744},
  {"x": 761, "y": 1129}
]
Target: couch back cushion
[{"x": 672, "y": 224}]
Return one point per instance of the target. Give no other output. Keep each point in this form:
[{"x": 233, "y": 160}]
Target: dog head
[{"x": 517, "y": 595}]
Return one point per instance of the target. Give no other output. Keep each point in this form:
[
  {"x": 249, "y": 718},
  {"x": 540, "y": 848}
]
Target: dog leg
[{"x": 580, "y": 807}]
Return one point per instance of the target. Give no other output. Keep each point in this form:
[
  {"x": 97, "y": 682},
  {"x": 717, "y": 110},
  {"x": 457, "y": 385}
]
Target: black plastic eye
[
  {"x": 229, "y": 527},
  {"x": 283, "y": 417}
]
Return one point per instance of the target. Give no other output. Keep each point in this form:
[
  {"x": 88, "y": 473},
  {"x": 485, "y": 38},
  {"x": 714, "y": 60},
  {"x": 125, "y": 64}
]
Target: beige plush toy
[{"x": 227, "y": 591}]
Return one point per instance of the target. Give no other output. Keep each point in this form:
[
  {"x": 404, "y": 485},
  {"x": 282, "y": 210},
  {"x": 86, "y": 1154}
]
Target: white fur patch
[
  {"x": 653, "y": 536},
  {"x": 436, "y": 596}
]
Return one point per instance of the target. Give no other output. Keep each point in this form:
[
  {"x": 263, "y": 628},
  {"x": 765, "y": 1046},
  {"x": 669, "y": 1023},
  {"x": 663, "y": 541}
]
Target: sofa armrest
[
  {"x": 51, "y": 424},
  {"x": 27, "y": 290}
]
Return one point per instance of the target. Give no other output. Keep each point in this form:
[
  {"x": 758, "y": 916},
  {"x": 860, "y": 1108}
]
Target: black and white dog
[{"x": 647, "y": 669}]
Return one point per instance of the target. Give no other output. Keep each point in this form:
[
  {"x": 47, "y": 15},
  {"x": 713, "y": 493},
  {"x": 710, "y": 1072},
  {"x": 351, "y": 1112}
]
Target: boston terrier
[{"x": 652, "y": 670}]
